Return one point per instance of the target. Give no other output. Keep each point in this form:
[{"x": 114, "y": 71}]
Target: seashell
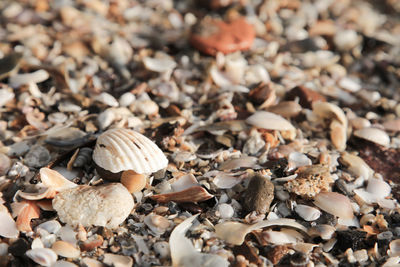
[
  {"x": 325, "y": 231},
  {"x": 54, "y": 180},
  {"x": 64, "y": 264},
  {"x": 394, "y": 248},
  {"x": 225, "y": 180},
  {"x": 163, "y": 63},
  {"x": 93, "y": 242},
  {"x": 335, "y": 204},
  {"x": 269, "y": 121},
  {"x": 65, "y": 249},
  {"x": 6, "y": 95},
  {"x": 286, "y": 109},
  {"x": 84, "y": 157},
  {"x": 8, "y": 227},
  {"x": 329, "y": 111},
  {"x": 373, "y": 135},
  {"x": 378, "y": 187},
  {"x": 356, "y": 165},
  {"x": 118, "y": 150},
  {"x": 26, "y": 78},
  {"x": 359, "y": 123},
  {"x": 51, "y": 227},
  {"x": 345, "y": 40},
  {"x": 5, "y": 164},
  {"x": 42, "y": 256},
  {"x": 226, "y": 211},
  {"x": 106, "y": 99},
  {"x": 192, "y": 194},
  {"x": 126, "y": 99},
  {"x": 184, "y": 182},
  {"x": 41, "y": 194},
  {"x": 38, "y": 156},
  {"x": 392, "y": 125},
  {"x": 117, "y": 260},
  {"x": 92, "y": 263},
  {"x": 26, "y": 211},
  {"x": 162, "y": 249},
  {"x": 108, "y": 205},
  {"x": 157, "y": 223},
  {"x": 307, "y": 213},
  {"x": 183, "y": 253},
  {"x": 132, "y": 181},
  {"x": 242, "y": 162},
  {"x": 338, "y": 135},
  {"x": 285, "y": 236},
  {"x": 349, "y": 84},
  {"x": 296, "y": 160},
  {"x": 235, "y": 232}
]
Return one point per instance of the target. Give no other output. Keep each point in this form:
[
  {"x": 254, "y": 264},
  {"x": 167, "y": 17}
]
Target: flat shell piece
[
  {"x": 235, "y": 232},
  {"x": 269, "y": 121},
  {"x": 373, "y": 135},
  {"x": 107, "y": 205},
  {"x": 122, "y": 149},
  {"x": 329, "y": 111},
  {"x": 117, "y": 260},
  {"x": 65, "y": 249},
  {"x": 183, "y": 252},
  {"x": 42, "y": 256},
  {"x": 192, "y": 194},
  {"x": 335, "y": 204},
  {"x": 54, "y": 180},
  {"x": 8, "y": 227}
]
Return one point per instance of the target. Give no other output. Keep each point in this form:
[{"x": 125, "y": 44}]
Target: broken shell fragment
[
  {"x": 65, "y": 249},
  {"x": 325, "y": 231},
  {"x": 192, "y": 194},
  {"x": 107, "y": 205},
  {"x": 8, "y": 227},
  {"x": 157, "y": 223},
  {"x": 335, "y": 204},
  {"x": 132, "y": 181},
  {"x": 118, "y": 150},
  {"x": 117, "y": 260},
  {"x": 307, "y": 213},
  {"x": 54, "y": 180},
  {"x": 183, "y": 252},
  {"x": 373, "y": 135},
  {"x": 42, "y": 256},
  {"x": 235, "y": 232},
  {"x": 356, "y": 165},
  {"x": 329, "y": 111},
  {"x": 269, "y": 121}
]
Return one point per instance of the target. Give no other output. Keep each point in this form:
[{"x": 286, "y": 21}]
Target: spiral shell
[{"x": 118, "y": 150}]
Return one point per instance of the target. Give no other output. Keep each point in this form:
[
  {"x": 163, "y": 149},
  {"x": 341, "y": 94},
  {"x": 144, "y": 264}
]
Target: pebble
[
  {"x": 37, "y": 157},
  {"x": 258, "y": 195},
  {"x": 161, "y": 249},
  {"x": 211, "y": 36},
  {"x": 107, "y": 205},
  {"x": 6, "y": 96},
  {"x": 387, "y": 235}
]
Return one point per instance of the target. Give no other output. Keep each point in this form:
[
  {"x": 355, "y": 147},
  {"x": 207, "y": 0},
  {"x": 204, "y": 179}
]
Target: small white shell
[
  {"x": 307, "y": 213},
  {"x": 122, "y": 149},
  {"x": 158, "y": 224},
  {"x": 42, "y": 256},
  {"x": 379, "y": 188},
  {"x": 270, "y": 121},
  {"x": 394, "y": 248},
  {"x": 335, "y": 204},
  {"x": 329, "y": 111},
  {"x": 374, "y": 135},
  {"x": 65, "y": 249}
]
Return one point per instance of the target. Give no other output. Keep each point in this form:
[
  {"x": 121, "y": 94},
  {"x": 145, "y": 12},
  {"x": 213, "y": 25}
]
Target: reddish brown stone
[
  {"x": 306, "y": 96},
  {"x": 213, "y": 35},
  {"x": 248, "y": 251},
  {"x": 276, "y": 254}
]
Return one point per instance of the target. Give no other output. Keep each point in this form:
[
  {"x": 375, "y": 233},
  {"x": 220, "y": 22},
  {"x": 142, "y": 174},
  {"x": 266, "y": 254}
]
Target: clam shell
[
  {"x": 334, "y": 203},
  {"x": 373, "y": 135},
  {"x": 269, "y": 121},
  {"x": 307, "y": 213},
  {"x": 122, "y": 149}
]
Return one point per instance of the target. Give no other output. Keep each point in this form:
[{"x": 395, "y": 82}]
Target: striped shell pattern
[{"x": 118, "y": 150}]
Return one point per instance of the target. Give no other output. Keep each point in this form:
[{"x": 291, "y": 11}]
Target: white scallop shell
[{"x": 122, "y": 149}]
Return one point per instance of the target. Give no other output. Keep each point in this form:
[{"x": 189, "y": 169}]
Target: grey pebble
[
  {"x": 258, "y": 195},
  {"x": 37, "y": 157}
]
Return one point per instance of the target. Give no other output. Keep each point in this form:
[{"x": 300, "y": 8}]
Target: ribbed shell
[{"x": 122, "y": 149}]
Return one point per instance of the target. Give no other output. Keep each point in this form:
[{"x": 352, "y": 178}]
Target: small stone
[
  {"x": 259, "y": 195},
  {"x": 107, "y": 205},
  {"x": 5, "y": 164},
  {"x": 387, "y": 235},
  {"x": 211, "y": 36},
  {"x": 277, "y": 253},
  {"x": 162, "y": 249},
  {"x": 37, "y": 157},
  {"x": 306, "y": 96}
]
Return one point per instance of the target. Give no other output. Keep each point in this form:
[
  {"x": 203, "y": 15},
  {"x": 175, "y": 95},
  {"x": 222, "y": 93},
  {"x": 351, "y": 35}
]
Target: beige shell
[
  {"x": 122, "y": 149},
  {"x": 269, "y": 121}
]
